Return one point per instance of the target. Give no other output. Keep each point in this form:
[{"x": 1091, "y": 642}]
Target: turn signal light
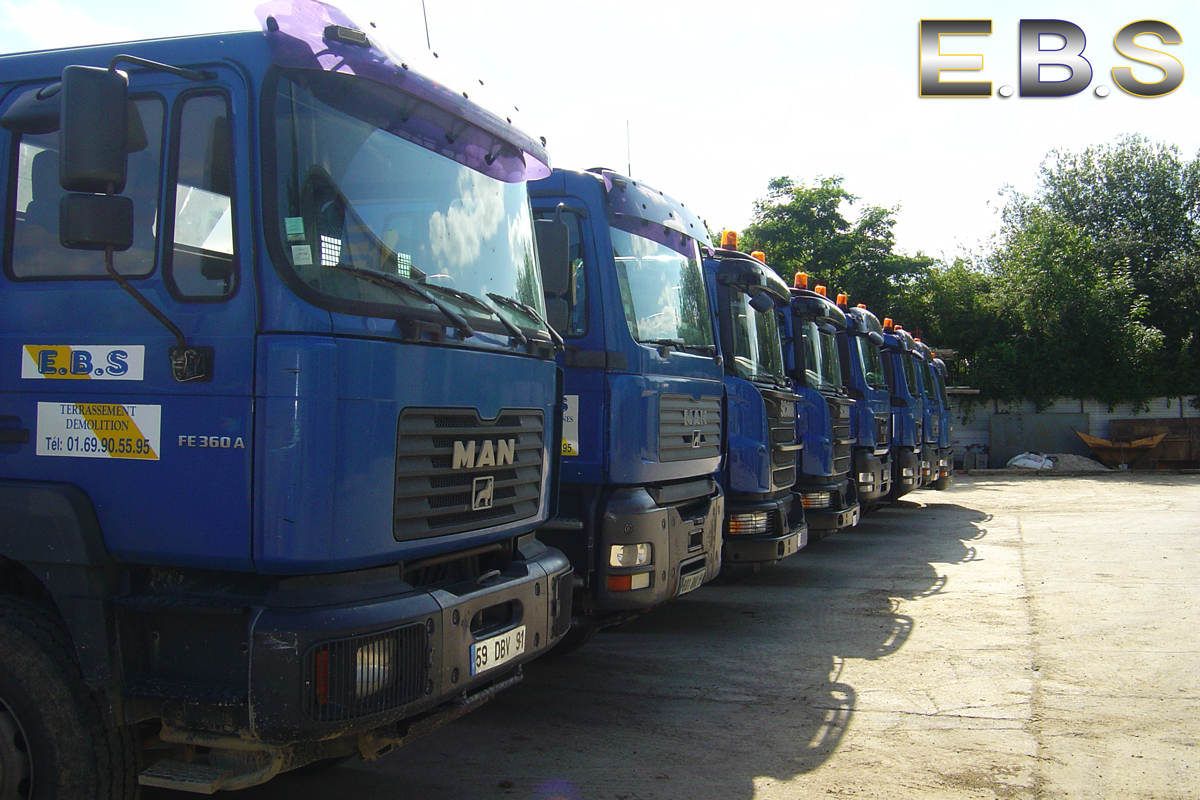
[
  {"x": 843, "y": 300},
  {"x": 821, "y": 290},
  {"x": 729, "y": 240},
  {"x": 627, "y": 583},
  {"x": 887, "y": 323},
  {"x": 801, "y": 280},
  {"x": 760, "y": 255}
]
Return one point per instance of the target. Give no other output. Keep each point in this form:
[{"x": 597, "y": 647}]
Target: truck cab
[
  {"x": 932, "y": 407},
  {"x": 909, "y": 456},
  {"x": 945, "y": 448},
  {"x": 278, "y": 413},
  {"x": 810, "y": 328},
  {"x": 762, "y": 523},
  {"x": 640, "y": 512},
  {"x": 859, "y": 346}
]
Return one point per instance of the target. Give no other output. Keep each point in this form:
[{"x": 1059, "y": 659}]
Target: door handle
[{"x": 14, "y": 435}]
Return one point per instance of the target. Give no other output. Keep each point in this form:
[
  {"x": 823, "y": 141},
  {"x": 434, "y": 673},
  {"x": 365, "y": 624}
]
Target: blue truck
[
  {"x": 811, "y": 326},
  {"x": 945, "y": 439},
  {"x": 279, "y": 410},
  {"x": 640, "y": 512},
  {"x": 937, "y": 416},
  {"x": 859, "y": 347},
  {"x": 762, "y": 523},
  {"x": 908, "y": 452}
]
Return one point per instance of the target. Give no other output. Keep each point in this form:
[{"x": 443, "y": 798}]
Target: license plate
[
  {"x": 491, "y": 653},
  {"x": 693, "y": 580}
]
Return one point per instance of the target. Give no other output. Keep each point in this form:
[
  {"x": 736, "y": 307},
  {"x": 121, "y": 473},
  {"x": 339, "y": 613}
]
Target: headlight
[
  {"x": 630, "y": 555},
  {"x": 867, "y": 478},
  {"x": 374, "y": 667},
  {"x": 817, "y": 499},
  {"x": 748, "y": 524}
]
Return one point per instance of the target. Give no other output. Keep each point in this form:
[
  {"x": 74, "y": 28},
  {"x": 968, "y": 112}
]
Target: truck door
[
  {"x": 585, "y": 358},
  {"x": 87, "y": 394}
]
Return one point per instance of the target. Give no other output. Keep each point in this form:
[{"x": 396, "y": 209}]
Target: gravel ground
[{"x": 1008, "y": 638}]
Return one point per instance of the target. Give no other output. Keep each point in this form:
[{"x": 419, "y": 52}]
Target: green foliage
[
  {"x": 801, "y": 228},
  {"x": 1092, "y": 288}
]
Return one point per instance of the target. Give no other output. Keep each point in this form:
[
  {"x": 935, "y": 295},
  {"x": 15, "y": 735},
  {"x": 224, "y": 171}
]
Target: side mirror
[
  {"x": 554, "y": 255},
  {"x": 558, "y": 313},
  {"x": 95, "y": 222},
  {"x": 876, "y": 338},
  {"x": 762, "y": 302},
  {"x": 94, "y": 131}
]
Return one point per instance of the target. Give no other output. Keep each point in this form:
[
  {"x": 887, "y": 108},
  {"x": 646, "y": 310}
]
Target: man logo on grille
[
  {"x": 481, "y": 493},
  {"x": 696, "y": 439}
]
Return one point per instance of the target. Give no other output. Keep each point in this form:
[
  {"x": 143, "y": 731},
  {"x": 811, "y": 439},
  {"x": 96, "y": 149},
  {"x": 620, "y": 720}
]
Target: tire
[
  {"x": 319, "y": 766},
  {"x": 575, "y": 637},
  {"x": 52, "y": 725}
]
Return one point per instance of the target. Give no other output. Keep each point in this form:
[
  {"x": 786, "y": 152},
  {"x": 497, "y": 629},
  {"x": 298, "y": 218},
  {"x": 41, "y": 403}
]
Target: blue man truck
[
  {"x": 640, "y": 512},
  {"x": 278, "y": 409},
  {"x": 945, "y": 457},
  {"x": 859, "y": 347},
  {"x": 937, "y": 419},
  {"x": 762, "y": 523},
  {"x": 909, "y": 455},
  {"x": 810, "y": 330}
]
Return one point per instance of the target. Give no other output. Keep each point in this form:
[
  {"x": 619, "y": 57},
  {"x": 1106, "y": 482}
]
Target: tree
[
  {"x": 1072, "y": 323},
  {"x": 1139, "y": 201},
  {"x": 801, "y": 228}
]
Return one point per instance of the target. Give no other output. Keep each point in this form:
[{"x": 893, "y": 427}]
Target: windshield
[
  {"x": 822, "y": 370},
  {"x": 910, "y": 374},
  {"x": 927, "y": 379},
  {"x": 941, "y": 383},
  {"x": 353, "y": 194},
  {"x": 661, "y": 291},
  {"x": 869, "y": 359},
  {"x": 756, "y": 349}
]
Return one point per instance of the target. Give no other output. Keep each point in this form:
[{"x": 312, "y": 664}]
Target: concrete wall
[{"x": 1007, "y": 429}]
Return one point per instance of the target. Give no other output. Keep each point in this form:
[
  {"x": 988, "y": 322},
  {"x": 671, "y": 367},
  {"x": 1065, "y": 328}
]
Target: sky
[{"x": 709, "y": 101}]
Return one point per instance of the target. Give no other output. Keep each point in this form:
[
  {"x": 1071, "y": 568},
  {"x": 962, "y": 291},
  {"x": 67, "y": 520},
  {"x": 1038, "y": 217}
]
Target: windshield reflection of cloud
[{"x": 457, "y": 236}]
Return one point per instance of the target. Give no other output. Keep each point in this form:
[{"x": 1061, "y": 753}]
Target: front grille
[
  {"x": 883, "y": 430},
  {"x": 456, "y": 472},
  {"x": 781, "y": 424},
  {"x": 935, "y": 429},
  {"x": 843, "y": 439},
  {"x": 688, "y": 428},
  {"x": 363, "y": 675}
]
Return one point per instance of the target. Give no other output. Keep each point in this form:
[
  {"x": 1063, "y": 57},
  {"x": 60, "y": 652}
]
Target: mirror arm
[
  {"x": 186, "y": 74},
  {"x": 561, "y": 207},
  {"x": 124, "y": 283}
]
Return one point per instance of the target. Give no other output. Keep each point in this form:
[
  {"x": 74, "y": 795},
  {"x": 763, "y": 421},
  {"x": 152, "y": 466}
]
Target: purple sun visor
[{"x": 305, "y": 34}]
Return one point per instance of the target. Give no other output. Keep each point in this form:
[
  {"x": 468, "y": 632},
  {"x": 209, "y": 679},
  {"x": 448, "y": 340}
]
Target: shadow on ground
[{"x": 730, "y": 684}]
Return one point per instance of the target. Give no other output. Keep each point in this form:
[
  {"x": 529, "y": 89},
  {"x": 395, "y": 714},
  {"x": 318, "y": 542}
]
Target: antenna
[{"x": 426, "y": 18}]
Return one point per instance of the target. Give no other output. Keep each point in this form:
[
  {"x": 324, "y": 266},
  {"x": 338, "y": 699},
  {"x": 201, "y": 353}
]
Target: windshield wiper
[
  {"x": 525, "y": 308},
  {"x": 396, "y": 282},
  {"x": 475, "y": 302},
  {"x": 675, "y": 343}
]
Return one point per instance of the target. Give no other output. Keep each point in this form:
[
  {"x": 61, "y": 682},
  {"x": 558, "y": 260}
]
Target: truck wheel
[
  {"x": 53, "y": 739},
  {"x": 575, "y": 637}
]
